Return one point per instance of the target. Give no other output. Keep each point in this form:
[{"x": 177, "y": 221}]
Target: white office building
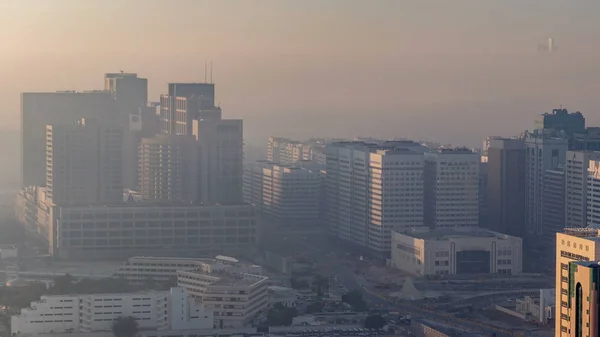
[
  {"x": 452, "y": 188},
  {"x": 235, "y": 298},
  {"x": 544, "y": 150},
  {"x": 449, "y": 251},
  {"x": 576, "y": 182},
  {"x": 155, "y": 310},
  {"x": 140, "y": 269},
  {"x": 371, "y": 189}
]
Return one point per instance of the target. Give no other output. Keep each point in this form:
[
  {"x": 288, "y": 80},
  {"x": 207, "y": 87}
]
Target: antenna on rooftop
[
  {"x": 211, "y": 72},
  {"x": 204, "y": 71}
]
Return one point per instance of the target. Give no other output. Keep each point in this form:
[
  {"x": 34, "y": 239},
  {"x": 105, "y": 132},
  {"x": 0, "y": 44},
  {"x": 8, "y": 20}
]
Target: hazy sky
[{"x": 447, "y": 70}]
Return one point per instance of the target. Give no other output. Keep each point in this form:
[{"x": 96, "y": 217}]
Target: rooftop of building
[
  {"x": 158, "y": 204},
  {"x": 392, "y": 147},
  {"x": 440, "y": 234},
  {"x": 588, "y": 264},
  {"x": 227, "y": 278},
  {"x": 8, "y": 247},
  {"x": 590, "y": 233},
  {"x": 453, "y": 150},
  {"x": 563, "y": 112}
]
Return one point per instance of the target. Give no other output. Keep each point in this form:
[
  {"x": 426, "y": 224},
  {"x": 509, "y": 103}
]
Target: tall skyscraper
[
  {"x": 168, "y": 167},
  {"x": 371, "y": 189},
  {"x": 221, "y": 159},
  {"x": 452, "y": 188},
  {"x": 129, "y": 91},
  {"x": 576, "y": 176},
  {"x": 183, "y": 103},
  {"x": 553, "y": 205},
  {"x": 483, "y": 193},
  {"x": 83, "y": 163},
  {"x": 561, "y": 120},
  {"x": 506, "y": 185},
  {"x": 288, "y": 194},
  {"x": 574, "y": 244},
  {"x": 544, "y": 151},
  {"x": 41, "y": 109},
  {"x": 583, "y": 299}
]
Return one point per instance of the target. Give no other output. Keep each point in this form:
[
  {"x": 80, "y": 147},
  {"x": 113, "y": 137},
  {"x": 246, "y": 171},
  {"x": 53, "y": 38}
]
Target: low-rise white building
[
  {"x": 449, "y": 251},
  {"x": 236, "y": 298},
  {"x": 157, "y": 310},
  {"x": 140, "y": 269}
]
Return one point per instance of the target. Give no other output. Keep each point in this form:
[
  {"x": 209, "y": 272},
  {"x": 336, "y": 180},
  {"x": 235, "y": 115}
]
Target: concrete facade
[
  {"x": 84, "y": 163},
  {"x": 161, "y": 229},
  {"x": 544, "y": 151},
  {"x": 157, "y": 310},
  {"x": 576, "y": 177},
  {"x": 236, "y": 298},
  {"x": 440, "y": 252},
  {"x": 370, "y": 190},
  {"x": 506, "y": 179},
  {"x": 452, "y": 188}
]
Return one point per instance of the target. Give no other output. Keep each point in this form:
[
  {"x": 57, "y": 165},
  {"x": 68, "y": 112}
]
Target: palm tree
[{"x": 125, "y": 326}]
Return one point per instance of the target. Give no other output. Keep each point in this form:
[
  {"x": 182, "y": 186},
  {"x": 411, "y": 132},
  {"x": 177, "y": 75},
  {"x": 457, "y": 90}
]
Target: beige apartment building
[{"x": 574, "y": 244}]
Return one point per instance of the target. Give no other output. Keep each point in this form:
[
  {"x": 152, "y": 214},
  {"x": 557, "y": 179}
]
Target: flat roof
[
  {"x": 228, "y": 278},
  {"x": 461, "y": 232},
  {"x": 156, "y": 204}
]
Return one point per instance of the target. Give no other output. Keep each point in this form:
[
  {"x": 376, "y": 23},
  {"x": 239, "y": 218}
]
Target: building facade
[
  {"x": 289, "y": 194},
  {"x": 593, "y": 194},
  {"x": 576, "y": 183},
  {"x": 574, "y": 244},
  {"x": 452, "y": 188},
  {"x": 505, "y": 185},
  {"x": 460, "y": 251},
  {"x": 553, "y": 205},
  {"x": 235, "y": 298},
  {"x": 221, "y": 159},
  {"x": 544, "y": 151},
  {"x": 174, "y": 107},
  {"x": 583, "y": 300},
  {"x": 160, "y": 229},
  {"x": 168, "y": 168},
  {"x": 83, "y": 163},
  {"x": 140, "y": 269},
  {"x": 371, "y": 189},
  {"x": 41, "y": 109},
  {"x": 156, "y": 310},
  {"x": 561, "y": 120}
]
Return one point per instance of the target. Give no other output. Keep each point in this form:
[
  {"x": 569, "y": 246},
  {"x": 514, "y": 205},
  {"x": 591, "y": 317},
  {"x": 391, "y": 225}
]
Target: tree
[
  {"x": 374, "y": 322},
  {"x": 125, "y": 326},
  {"x": 355, "y": 299}
]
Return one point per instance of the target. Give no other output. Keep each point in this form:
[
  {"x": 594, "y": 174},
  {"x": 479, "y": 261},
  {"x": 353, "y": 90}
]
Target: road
[{"x": 349, "y": 280}]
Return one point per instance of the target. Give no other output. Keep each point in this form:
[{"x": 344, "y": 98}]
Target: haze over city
[{"x": 299, "y": 168}]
